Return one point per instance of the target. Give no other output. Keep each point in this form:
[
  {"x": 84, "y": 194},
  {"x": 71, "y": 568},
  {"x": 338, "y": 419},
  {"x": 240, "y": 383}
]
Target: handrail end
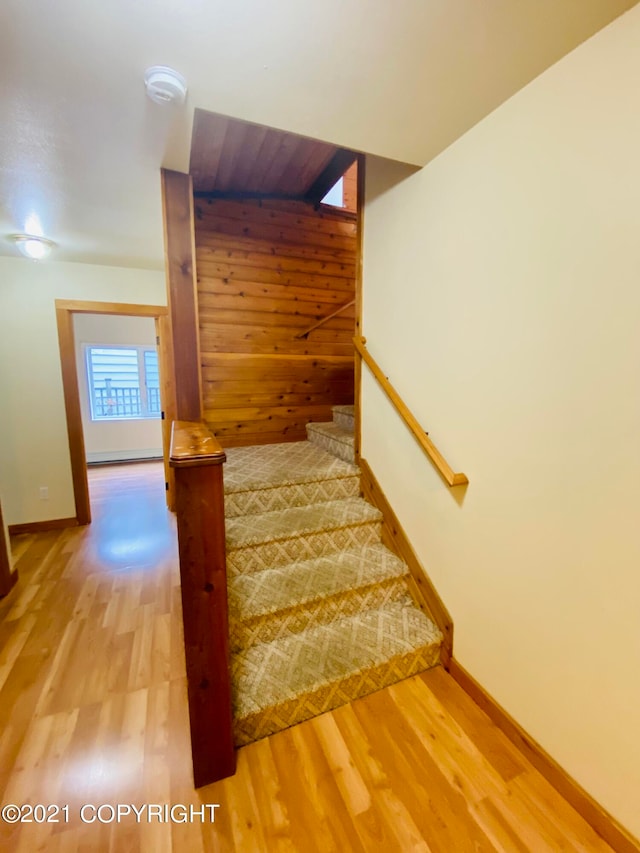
[{"x": 459, "y": 480}]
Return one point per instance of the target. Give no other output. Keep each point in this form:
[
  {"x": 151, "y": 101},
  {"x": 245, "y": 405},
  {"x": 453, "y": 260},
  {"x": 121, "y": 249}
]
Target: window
[
  {"x": 335, "y": 196},
  {"x": 123, "y": 382}
]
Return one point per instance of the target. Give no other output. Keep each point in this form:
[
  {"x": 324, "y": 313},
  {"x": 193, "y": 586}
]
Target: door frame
[{"x": 65, "y": 309}]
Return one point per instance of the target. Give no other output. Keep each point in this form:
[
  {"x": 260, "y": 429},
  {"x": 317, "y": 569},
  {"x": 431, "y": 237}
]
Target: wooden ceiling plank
[
  {"x": 266, "y": 154},
  {"x": 209, "y": 133},
  {"x": 288, "y": 149},
  {"x": 253, "y": 141},
  {"x": 289, "y": 177},
  {"x": 318, "y": 161},
  {"x": 201, "y": 143},
  {"x": 232, "y": 151}
]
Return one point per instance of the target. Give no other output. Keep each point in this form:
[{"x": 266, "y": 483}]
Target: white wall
[
  {"x": 34, "y": 449},
  {"x": 137, "y": 438},
  {"x": 502, "y": 298}
]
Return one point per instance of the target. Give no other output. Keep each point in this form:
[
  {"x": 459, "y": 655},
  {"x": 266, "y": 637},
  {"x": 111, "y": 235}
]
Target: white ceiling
[{"x": 81, "y": 146}]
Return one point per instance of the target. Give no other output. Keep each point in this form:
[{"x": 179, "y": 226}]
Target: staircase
[
  {"x": 320, "y": 611},
  {"x": 335, "y": 437}
]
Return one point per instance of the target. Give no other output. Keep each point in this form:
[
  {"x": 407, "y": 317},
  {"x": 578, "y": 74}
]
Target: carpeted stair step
[
  {"x": 267, "y": 605},
  {"x": 297, "y": 677},
  {"x": 272, "y": 477},
  {"x": 273, "y": 539},
  {"x": 333, "y": 438},
  {"x": 343, "y": 416}
]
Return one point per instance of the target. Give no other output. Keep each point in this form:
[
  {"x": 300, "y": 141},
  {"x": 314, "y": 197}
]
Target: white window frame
[{"x": 145, "y": 412}]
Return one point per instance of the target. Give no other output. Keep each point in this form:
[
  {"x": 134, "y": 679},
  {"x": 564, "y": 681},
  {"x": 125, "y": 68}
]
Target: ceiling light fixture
[
  {"x": 164, "y": 85},
  {"x": 35, "y": 248}
]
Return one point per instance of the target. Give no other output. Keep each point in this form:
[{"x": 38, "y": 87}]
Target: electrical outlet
[{"x": 44, "y": 493}]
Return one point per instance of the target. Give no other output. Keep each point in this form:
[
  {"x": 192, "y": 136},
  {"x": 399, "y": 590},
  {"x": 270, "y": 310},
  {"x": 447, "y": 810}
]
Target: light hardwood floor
[{"x": 93, "y": 711}]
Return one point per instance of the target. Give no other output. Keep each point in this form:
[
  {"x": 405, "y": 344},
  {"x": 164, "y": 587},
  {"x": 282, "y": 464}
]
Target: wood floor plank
[
  {"x": 494, "y": 745},
  {"x": 459, "y": 758},
  {"x": 271, "y": 807},
  {"x": 373, "y": 804},
  {"x": 498, "y": 828},
  {"x": 548, "y": 806},
  {"x": 248, "y": 831},
  {"x": 322, "y": 782},
  {"x": 382, "y": 829},
  {"x": 435, "y": 802},
  {"x": 310, "y": 822},
  {"x": 93, "y": 711}
]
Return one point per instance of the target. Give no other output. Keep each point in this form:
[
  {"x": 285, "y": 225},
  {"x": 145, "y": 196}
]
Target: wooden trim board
[
  {"x": 127, "y": 309},
  {"x": 168, "y": 395},
  {"x": 394, "y": 537},
  {"x": 182, "y": 292},
  {"x": 75, "y": 433},
  {"x": 65, "y": 309},
  {"x": 357, "y": 391},
  {"x": 42, "y": 526},
  {"x": 596, "y": 816},
  {"x": 8, "y": 575}
]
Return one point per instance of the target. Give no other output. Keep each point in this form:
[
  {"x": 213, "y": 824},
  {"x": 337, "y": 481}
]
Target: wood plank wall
[{"x": 268, "y": 270}]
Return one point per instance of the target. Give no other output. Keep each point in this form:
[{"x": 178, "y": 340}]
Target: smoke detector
[{"x": 164, "y": 85}]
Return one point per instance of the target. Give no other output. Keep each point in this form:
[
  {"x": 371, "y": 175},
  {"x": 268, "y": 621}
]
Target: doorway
[{"x": 65, "y": 311}]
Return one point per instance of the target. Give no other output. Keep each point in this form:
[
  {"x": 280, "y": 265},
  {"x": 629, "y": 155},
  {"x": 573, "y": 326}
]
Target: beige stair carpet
[
  {"x": 333, "y": 438},
  {"x": 278, "y": 476},
  {"x": 273, "y": 603},
  {"x": 319, "y": 609},
  {"x": 295, "y": 678},
  {"x": 344, "y": 417},
  {"x": 279, "y": 537}
]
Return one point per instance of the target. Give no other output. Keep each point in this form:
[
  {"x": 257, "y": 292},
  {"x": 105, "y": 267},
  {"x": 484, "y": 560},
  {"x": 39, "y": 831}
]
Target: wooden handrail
[
  {"x": 198, "y": 459},
  {"x": 327, "y": 318},
  {"x": 443, "y": 467}
]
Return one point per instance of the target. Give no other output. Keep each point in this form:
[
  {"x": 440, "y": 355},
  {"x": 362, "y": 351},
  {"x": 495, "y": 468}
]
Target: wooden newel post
[{"x": 198, "y": 459}]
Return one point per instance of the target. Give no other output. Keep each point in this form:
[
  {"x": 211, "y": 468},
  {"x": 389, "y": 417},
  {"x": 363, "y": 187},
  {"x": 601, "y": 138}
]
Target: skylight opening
[{"x": 335, "y": 196}]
